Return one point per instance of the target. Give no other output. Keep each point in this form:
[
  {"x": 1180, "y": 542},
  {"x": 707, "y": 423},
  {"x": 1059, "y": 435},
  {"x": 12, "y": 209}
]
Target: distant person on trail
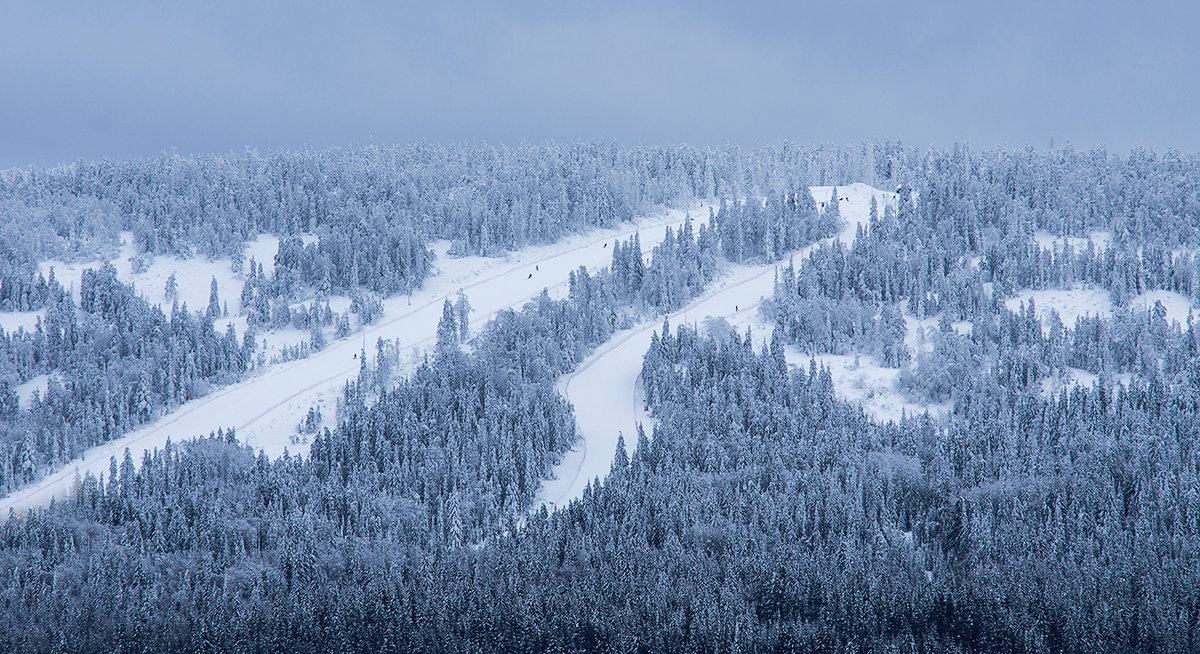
[{"x": 530, "y": 276}]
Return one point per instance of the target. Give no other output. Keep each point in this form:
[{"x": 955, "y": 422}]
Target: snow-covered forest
[{"x": 962, "y": 414}]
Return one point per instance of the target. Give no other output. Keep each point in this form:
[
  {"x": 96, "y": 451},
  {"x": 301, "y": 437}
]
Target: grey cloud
[{"x": 132, "y": 79}]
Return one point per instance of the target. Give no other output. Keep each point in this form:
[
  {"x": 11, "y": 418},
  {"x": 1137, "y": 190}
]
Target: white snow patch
[
  {"x": 263, "y": 250},
  {"x": 193, "y": 277},
  {"x": 1178, "y": 306},
  {"x": 856, "y": 207},
  {"x": 1071, "y": 304},
  {"x": 1072, "y": 377},
  {"x": 193, "y": 280},
  {"x": 339, "y": 303},
  {"x": 1100, "y": 241},
  {"x": 869, "y": 385},
  {"x": 918, "y": 334},
  {"x": 37, "y": 384},
  {"x": 11, "y": 321},
  {"x": 273, "y": 342}
]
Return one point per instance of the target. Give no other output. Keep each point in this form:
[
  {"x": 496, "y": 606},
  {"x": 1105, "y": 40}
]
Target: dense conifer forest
[{"x": 758, "y": 511}]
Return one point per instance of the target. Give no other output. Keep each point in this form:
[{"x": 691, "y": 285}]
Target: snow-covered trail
[
  {"x": 602, "y": 388},
  {"x": 265, "y": 408}
]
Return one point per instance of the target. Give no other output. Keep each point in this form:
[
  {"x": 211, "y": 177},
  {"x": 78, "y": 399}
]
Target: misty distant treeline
[{"x": 374, "y": 209}]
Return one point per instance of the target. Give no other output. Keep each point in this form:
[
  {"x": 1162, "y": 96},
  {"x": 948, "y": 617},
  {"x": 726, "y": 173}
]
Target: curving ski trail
[{"x": 598, "y": 387}]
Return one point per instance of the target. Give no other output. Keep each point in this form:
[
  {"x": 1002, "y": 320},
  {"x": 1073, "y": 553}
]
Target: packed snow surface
[
  {"x": 266, "y": 407},
  {"x": 603, "y": 388}
]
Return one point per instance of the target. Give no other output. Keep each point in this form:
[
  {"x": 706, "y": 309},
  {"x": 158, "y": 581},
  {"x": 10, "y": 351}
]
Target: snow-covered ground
[
  {"x": 866, "y": 383},
  {"x": 916, "y": 331},
  {"x": 1086, "y": 300},
  {"x": 37, "y": 384},
  {"x": 265, "y": 408},
  {"x": 11, "y": 321},
  {"x": 861, "y": 380},
  {"x": 1052, "y": 386},
  {"x": 1100, "y": 240},
  {"x": 1071, "y": 304},
  {"x": 193, "y": 284},
  {"x": 1178, "y": 306},
  {"x": 603, "y": 388},
  {"x": 193, "y": 277}
]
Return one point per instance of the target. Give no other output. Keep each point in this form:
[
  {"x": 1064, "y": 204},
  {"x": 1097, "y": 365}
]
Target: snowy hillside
[
  {"x": 266, "y": 408},
  {"x": 991, "y": 397},
  {"x": 603, "y": 388}
]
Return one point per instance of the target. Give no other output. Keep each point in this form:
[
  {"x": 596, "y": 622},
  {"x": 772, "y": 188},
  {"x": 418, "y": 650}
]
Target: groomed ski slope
[
  {"x": 603, "y": 389},
  {"x": 265, "y": 408}
]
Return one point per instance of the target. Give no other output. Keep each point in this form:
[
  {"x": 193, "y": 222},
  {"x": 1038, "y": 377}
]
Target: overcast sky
[{"x": 96, "y": 79}]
